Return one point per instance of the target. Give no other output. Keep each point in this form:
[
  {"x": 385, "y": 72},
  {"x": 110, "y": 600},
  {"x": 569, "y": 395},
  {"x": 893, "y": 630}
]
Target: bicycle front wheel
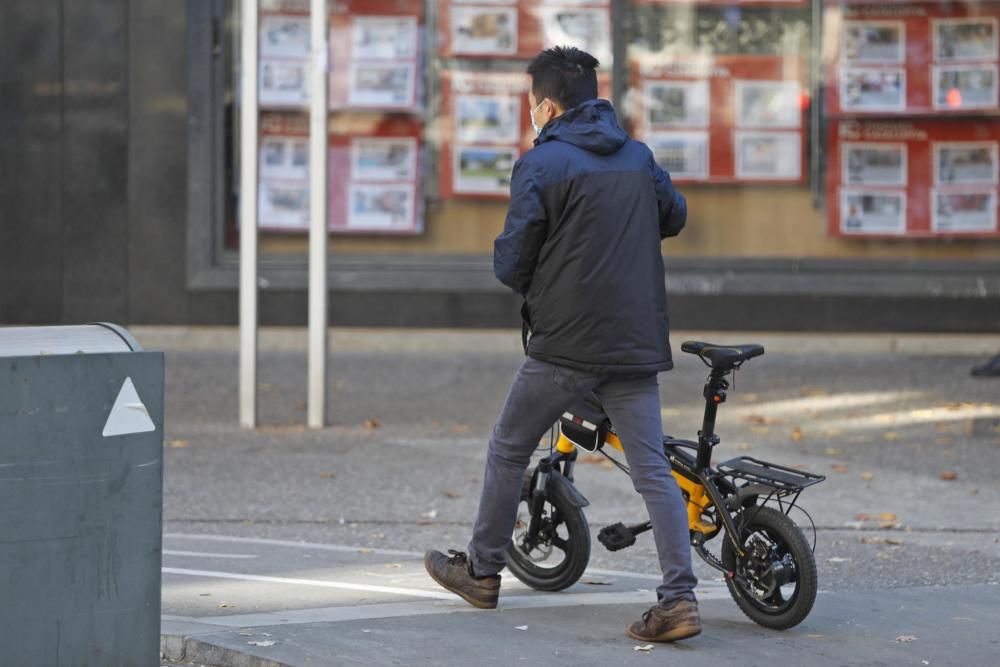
[{"x": 557, "y": 558}]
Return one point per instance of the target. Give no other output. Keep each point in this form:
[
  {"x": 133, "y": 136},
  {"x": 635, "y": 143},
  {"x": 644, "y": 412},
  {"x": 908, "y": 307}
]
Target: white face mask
[{"x": 534, "y": 125}]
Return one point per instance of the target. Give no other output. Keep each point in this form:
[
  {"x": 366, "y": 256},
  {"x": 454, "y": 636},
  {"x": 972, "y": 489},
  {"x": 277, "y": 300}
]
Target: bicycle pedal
[{"x": 616, "y": 537}]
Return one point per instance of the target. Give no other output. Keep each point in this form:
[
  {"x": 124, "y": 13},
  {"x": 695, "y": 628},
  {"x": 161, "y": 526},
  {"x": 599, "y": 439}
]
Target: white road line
[
  {"x": 367, "y": 588},
  {"x": 619, "y": 573},
  {"x": 398, "y": 609},
  {"x": 202, "y": 554},
  {"x": 340, "y": 548},
  {"x": 290, "y": 543}
]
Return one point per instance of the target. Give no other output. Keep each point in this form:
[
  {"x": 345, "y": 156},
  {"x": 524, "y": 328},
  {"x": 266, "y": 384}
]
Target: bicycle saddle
[{"x": 722, "y": 356}]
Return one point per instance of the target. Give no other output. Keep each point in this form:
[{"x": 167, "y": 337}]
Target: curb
[
  {"x": 194, "y": 649},
  {"x": 295, "y": 339}
]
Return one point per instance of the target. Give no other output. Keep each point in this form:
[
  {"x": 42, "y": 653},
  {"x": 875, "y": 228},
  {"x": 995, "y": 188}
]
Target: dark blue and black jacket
[{"x": 589, "y": 207}]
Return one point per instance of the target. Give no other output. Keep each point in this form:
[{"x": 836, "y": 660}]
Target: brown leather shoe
[
  {"x": 667, "y": 624},
  {"x": 454, "y": 573}
]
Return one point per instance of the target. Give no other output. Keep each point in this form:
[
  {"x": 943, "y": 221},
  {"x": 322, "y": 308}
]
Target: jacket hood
[{"x": 592, "y": 126}]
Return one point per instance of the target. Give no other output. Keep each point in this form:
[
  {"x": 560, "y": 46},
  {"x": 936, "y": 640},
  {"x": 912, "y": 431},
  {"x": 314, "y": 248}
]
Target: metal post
[
  {"x": 318, "y": 237},
  {"x": 248, "y": 215}
]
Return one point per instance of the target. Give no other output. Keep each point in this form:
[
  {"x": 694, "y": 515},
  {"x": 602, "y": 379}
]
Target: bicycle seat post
[{"x": 715, "y": 395}]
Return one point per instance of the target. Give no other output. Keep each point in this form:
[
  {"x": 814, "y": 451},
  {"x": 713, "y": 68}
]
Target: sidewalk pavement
[{"x": 285, "y": 546}]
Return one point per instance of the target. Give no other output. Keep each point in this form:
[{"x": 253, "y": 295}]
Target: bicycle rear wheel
[{"x": 776, "y": 584}]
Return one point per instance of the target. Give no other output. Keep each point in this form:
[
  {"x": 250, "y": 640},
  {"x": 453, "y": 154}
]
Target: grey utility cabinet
[{"x": 81, "y": 497}]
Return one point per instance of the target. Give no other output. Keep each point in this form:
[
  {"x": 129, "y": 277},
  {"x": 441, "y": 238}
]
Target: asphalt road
[{"x": 910, "y": 444}]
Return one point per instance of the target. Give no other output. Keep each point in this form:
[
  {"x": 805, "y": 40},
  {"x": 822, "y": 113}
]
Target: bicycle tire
[
  {"x": 787, "y": 539},
  {"x": 566, "y": 572}
]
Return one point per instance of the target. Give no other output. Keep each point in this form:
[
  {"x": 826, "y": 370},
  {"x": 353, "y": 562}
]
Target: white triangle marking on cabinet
[{"x": 129, "y": 414}]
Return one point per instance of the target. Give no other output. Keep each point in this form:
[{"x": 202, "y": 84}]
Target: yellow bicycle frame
[{"x": 697, "y": 500}]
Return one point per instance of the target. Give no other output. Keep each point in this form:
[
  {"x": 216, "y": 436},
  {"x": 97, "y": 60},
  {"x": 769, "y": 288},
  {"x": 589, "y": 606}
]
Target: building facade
[{"x": 840, "y": 159}]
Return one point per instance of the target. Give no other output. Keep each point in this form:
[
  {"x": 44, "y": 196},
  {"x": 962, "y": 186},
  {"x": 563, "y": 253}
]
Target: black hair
[{"x": 564, "y": 74}]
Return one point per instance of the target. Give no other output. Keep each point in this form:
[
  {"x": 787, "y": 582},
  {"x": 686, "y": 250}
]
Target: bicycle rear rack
[{"x": 784, "y": 480}]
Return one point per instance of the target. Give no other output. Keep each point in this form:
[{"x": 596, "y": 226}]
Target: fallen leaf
[
  {"x": 884, "y": 516},
  {"x": 451, "y": 494},
  {"x": 832, "y": 433},
  {"x": 813, "y": 392},
  {"x": 797, "y": 433},
  {"x": 393, "y": 566},
  {"x": 762, "y": 420},
  {"x": 839, "y": 467},
  {"x": 833, "y": 451},
  {"x": 262, "y": 642},
  {"x": 760, "y": 430},
  {"x": 608, "y": 465},
  {"x": 892, "y": 435},
  {"x": 743, "y": 446},
  {"x": 645, "y": 649},
  {"x": 364, "y": 550},
  {"x": 906, "y": 638},
  {"x": 591, "y": 458},
  {"x": 372, "y": 424},
  {"x": 948, "y": 475},
  {"x": 881, "y": 540},
  {"x": 867, "y": 476},
  {"x": 424, "y": 522},
  {"x": 327, "y": 475},
  {"x": 178, "y": 444},
  {"x": 459, "y": 428},
  {"x": 520, "y": 627}
]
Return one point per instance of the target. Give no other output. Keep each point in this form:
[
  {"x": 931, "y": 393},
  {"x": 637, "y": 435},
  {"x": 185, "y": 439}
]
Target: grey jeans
[{"x": 541, "y": 392}]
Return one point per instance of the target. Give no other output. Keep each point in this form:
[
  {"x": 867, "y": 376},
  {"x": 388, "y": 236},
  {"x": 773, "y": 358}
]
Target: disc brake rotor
[{"x": 542, "y": 549}]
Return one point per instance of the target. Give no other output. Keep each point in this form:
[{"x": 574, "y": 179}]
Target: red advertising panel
[
  {"x": 914, "y": 60},
  {"x": 486, "y": 128},
  {"x": 913, "y": 178},
  {"x": 727, "y": 3},
  {"x": 374, "y": 174},
  {"x": 283, "y": 192},
  {"x": 519, "y": 29},
  {"x": 375, "y": 55},
  {"x": 723, "y": 119},
  {"x": 375, "y": 166}
]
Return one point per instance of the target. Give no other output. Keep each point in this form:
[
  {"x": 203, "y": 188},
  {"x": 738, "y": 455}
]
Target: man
[{"x": 581, "y": 243}]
